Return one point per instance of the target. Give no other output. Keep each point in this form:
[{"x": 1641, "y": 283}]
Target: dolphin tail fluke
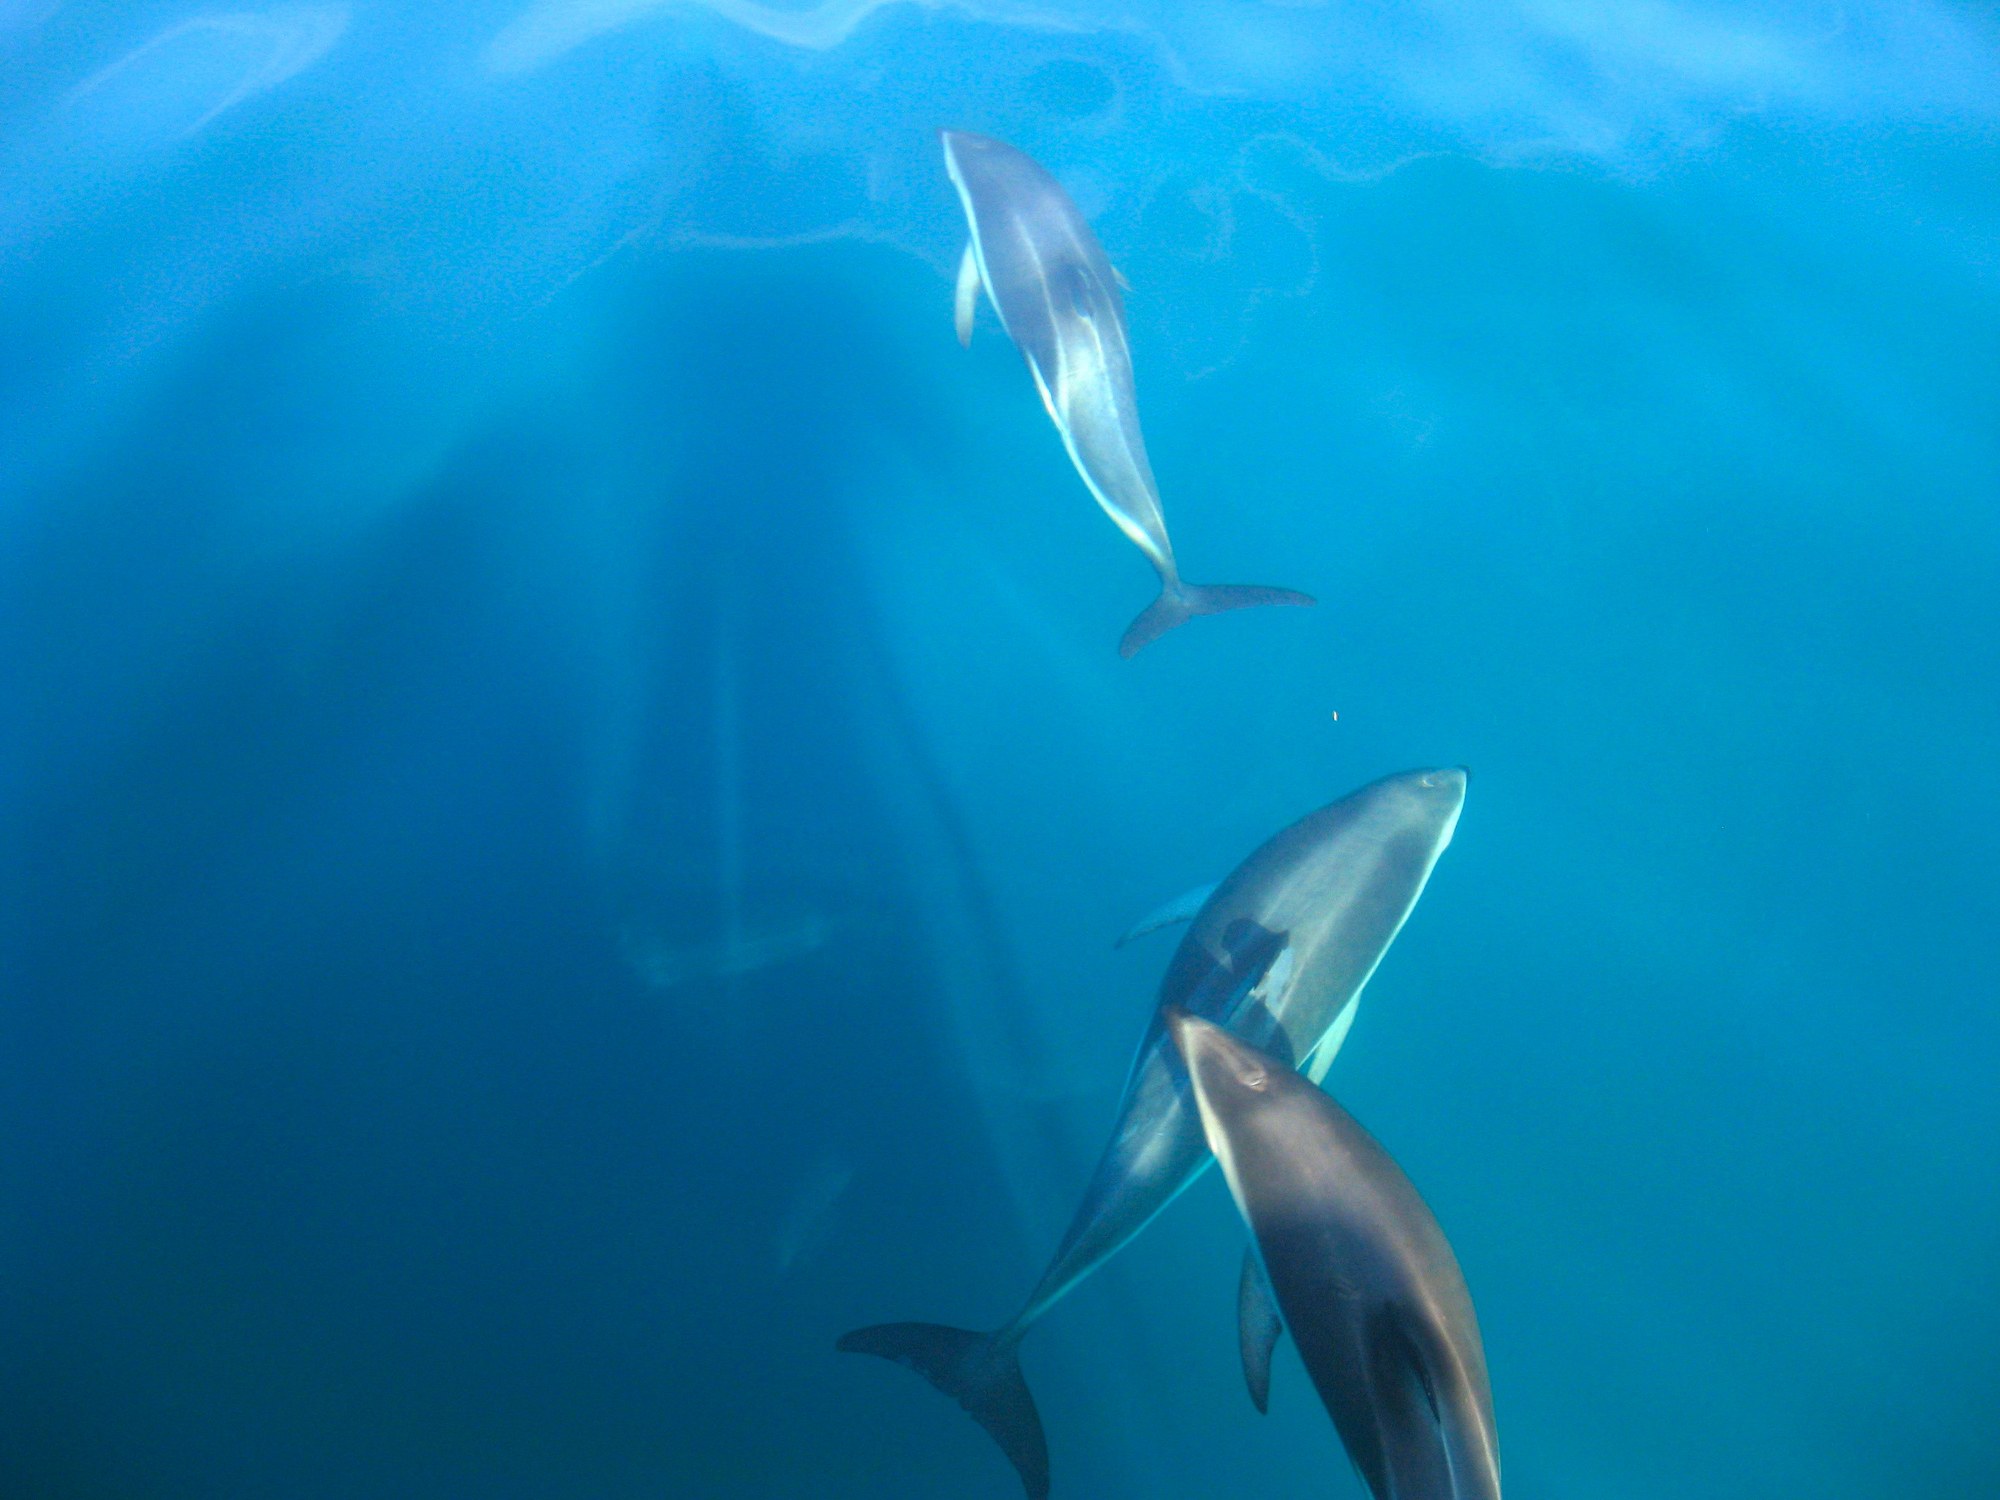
[
  {"x": 978, "y": 1373},
  {"x": 1178, "y": 604}
]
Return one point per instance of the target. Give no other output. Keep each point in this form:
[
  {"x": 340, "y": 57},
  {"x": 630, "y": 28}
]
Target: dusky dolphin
[
  {"x": 1364, "y": 1278},
  {"x": 1279, "y": 952},
  {"x": 1058, "y": 299},
  {"x": 809, "y": 1217},
  {"x": 741, "y": 949}
]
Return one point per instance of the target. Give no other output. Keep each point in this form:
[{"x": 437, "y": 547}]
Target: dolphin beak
[{"x": 1454, "y": 777}]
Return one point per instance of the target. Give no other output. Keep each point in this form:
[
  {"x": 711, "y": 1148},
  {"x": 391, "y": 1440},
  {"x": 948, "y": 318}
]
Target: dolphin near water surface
[
  {"x": 1364, "y": 1278},
  {"x": 1057, "y": 296},
  {"x": 1278, "y": 953}
]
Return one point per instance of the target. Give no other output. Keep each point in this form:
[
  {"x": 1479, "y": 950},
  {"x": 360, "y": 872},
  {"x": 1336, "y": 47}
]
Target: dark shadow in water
[{"x": 361, "y": 1152}]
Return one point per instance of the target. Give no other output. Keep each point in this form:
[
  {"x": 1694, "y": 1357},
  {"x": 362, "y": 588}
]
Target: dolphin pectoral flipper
[
  {"x": 1257, "y": 1328},
  {"x": 965, "y": 298},
  {"x": 1180, "y": 602},
  {"x": 1181, "y": 909},
  {"x": 980, "y": 1374}
]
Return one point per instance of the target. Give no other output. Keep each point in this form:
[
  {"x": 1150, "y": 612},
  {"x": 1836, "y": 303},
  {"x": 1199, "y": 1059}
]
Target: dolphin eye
[{"x": 1257, "y": 1079}]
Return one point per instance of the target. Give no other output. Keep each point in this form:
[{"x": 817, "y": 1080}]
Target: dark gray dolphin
[
  {"x": 1363, "y": 1276},
  {"x": 1278, "y": 953},
  {"x": 1057, "y": 297}
]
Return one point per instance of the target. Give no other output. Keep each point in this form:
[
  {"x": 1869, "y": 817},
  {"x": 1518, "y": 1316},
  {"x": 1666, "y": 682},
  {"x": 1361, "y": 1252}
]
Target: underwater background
[{"x": 566, "y": 792}]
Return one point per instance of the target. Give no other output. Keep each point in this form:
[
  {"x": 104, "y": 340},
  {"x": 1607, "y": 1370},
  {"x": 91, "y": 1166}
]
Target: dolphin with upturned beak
[
  {"x": 1278, "y": 953},
  {"x": 1364, "y": 1278},
  {"x": 1058, "y": 298}
]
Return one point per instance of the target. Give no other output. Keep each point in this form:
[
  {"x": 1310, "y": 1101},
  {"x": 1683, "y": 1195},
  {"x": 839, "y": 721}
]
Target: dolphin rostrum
[
  {"x": 1057, "y": 297},
  {"x": 1279, "y": 953},
  {"x": 1363, "y": 1276}
]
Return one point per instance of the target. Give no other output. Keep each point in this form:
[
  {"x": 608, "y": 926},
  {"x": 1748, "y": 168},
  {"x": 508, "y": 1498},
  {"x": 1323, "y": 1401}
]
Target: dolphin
[
  {"x": 1278, "y": 953},
  {"x": 1058, "y": 299},
  {"x": 1363, "y": 1276}
]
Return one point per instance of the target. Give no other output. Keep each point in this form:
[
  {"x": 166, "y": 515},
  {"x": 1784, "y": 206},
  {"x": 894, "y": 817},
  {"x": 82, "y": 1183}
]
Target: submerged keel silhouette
[
  {"x": 980, "y": 1374},
  {"x": 1179, "y": 603}
]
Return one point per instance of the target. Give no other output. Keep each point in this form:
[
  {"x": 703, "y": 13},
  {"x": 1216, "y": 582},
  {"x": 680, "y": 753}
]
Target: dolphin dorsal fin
[
  {"x": 965, "y": 299},
  {"x": 1396, "y": 1356},
  {"x": 1426, "y": 1381},
  {"x": 1181, "y": 909}
]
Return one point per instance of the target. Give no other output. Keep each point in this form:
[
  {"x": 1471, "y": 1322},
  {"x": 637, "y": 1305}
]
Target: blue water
[{"x": 565, "y": 788}]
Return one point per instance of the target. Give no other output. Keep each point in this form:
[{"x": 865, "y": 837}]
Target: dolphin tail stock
[
  {"x": 981, "y": 1374},
  {"x": 1180, "y": 602}
]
